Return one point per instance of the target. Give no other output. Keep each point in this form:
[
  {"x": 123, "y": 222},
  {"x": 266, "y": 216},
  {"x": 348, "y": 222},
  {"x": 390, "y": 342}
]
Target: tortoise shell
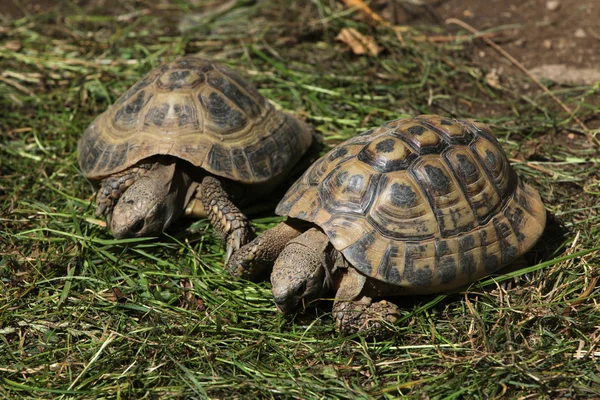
[
  {"x": 428, "y": 203},
  {"x": 201, "y": 112}
]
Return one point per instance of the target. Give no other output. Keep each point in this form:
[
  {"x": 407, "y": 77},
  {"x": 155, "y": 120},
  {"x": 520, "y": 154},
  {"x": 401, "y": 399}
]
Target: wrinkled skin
[
  {"x": 145, "y": 209},
  {"x": 299, "y": 275}
]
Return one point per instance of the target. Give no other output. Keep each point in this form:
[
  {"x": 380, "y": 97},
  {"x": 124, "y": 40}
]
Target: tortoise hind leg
[
  {"x": 354, "y": 312},
  {"x": 229, "y": 222}
]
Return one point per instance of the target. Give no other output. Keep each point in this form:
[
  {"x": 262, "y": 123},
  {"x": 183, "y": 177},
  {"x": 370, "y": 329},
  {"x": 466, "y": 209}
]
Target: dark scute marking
[
  {"x": 185, "y": 115},
  {"x": 358, "y": 252},
  {"x": 466, "y": 168},
  {"x": 234, "y": 94},
  {"x": 393, "y": 276},
  {"x": 507, "y": 251},
  {"x": 397, "y": 165},
  {"x": 418, "y": 277},
  {"x": 491, "y": 159},
  {"x": 446, "y": 122},
  {"x": 240, "y": 164},
  {"x": 338, "y": 152},
  {"x": 283, "y": 134},
  {"x": 516, "y": 222},
  {"x": 466, "y": 243},
  {"x": 502, "y": 229},
  {"x": 433, "y": 148},
  {"x": 416, "y": 130},
  {"x": 385, "y": 146},
  {"x": 382, "y": 163},
  {"x": 466, "y": 261},
  {"x": 439, "y": 181},
  {"x": 341, "y": 178},
  {"x": 177, "y": 79},
  {"x": 219, "y": 159},
  {"x": 447, "y": 269},
  {"x": 355, "y": 183},
  {"x": 402, "y": 195},
  {"x": 178, "y": 75},
  {"x": 366, "y": 133},
  {"x": 258, "y": 161},
  {"x": 222, "y": 115},
  {"x": 315, "y": 172},
  {"x": 301, "y": 215},
  {"x": 159, "y": 113},
  {"x": 421, "y": 277},
  {"x": 130, "y": 110},
  {"x": 103, "y": 159},
  {"x": 285, "y": 205},
  {"x": 522, "y": 199},
  {"x": 441, "y": 248},
  {"x": 140, "y": 85},
  {"x": 118, "y": 156},
  {"x": 491, "y": 262}
]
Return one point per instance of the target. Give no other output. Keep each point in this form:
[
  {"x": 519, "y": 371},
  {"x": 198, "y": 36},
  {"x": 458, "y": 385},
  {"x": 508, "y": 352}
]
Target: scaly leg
[
  {"x": 231, "y": 224},
  {"x": 253, "y": 259},
  {"x": 354, "y": 312}
]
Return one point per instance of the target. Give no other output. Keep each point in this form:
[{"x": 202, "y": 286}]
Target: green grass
[{"x": 85, "y": 316}]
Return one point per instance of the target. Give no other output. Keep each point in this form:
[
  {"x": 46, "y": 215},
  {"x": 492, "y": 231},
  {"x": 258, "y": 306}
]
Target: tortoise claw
[{"x": 237, "y": 239}]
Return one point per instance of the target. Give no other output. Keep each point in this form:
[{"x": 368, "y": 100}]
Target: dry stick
[{"x": 517, "y": 64}]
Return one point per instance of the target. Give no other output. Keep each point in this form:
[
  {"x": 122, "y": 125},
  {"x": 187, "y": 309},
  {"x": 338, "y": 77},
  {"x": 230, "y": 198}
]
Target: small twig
[
  {"x": 517, "y": 64},
  {"x": 449, "y": 38}
]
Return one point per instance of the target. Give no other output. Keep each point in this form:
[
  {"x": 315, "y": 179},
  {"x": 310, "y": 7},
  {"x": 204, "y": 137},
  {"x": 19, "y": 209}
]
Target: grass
[{"x": 85, "y": 316}]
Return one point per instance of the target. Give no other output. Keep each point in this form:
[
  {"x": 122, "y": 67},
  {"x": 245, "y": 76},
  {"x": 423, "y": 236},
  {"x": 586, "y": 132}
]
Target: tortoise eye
[{"x": 137, "y": 226}]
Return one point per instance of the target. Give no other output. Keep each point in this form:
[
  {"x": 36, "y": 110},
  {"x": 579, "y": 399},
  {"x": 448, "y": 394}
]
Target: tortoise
[
  {"x": 191, "y": 137},
  {"x": 417, "y": 206}
]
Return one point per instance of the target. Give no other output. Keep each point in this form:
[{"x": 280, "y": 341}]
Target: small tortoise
[
  {"x": 182, "y": 139},
  {"x": 417, "y": 206}
]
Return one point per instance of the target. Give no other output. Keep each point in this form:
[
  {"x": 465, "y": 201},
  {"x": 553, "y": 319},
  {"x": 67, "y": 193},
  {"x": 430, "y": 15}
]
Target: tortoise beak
[{"x": 284, "y": 305}]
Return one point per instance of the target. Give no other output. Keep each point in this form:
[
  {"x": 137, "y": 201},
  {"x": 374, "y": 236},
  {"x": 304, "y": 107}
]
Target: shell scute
[
  {"x": 349, "y": 188},
  {"x": 221, "y": 117},
  {"x": 387, "y": 154},
  {"x": 447, "y": 200},
  {"x": 479, "y": 190},
  {"x": 242, "y": 101},
  {"x": 421, "y": 137},
  {"x": 400, "y": 210},
  {"x": 178, "y": 79}
]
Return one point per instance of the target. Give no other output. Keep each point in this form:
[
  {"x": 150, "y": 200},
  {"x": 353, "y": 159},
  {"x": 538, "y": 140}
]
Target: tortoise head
[
  {"x": 299, "y": 275},
  {"x": 142, "y": 210}
]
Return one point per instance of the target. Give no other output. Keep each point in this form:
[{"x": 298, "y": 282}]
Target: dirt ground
[{"x": 535, "y": 32}]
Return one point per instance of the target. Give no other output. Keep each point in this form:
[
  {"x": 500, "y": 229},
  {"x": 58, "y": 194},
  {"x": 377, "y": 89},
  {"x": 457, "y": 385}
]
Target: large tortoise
[
  {"x": 417, "y": 206},
  {"x": 183, "y": 139}
]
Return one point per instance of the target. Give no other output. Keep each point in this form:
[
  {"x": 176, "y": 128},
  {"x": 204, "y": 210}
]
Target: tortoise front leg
[
  {"x": 259, "y": 255},
  {"x": 229, "y": 222},
  {"x": 112, "y": 187},
  {"x": 354, "y": 312}
]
